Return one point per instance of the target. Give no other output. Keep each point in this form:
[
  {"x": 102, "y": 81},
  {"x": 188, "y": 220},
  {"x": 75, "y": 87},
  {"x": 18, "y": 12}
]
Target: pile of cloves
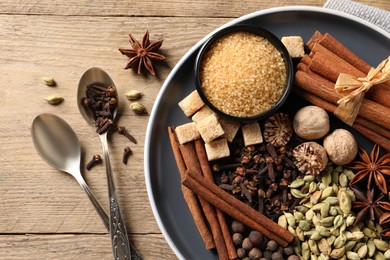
[{"x": 259, "y": 176}]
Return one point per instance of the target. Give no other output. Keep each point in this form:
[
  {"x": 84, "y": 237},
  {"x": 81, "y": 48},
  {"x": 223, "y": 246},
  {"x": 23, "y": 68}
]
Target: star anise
[
  {"x": 372, "y": 167},
  {"x": 367, "y": 203},
  {"x": 143, "y": 53}
]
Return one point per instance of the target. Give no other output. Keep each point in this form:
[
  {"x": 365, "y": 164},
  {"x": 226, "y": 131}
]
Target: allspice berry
[
  {"x": 255, "y": 254},
  {"x": 288, "y": 250},
  {"x": 238, "y": 227},
  {"x": 277, "y": 256},
  {"x": 241, "y": 253},
  {"x": 246, "y": 244},
  {"x": 272, "y": 245},
  {"x": 293, "y": 257},
  {"x": 255, "y": 237},
  {"x": 237, "y": 239}
]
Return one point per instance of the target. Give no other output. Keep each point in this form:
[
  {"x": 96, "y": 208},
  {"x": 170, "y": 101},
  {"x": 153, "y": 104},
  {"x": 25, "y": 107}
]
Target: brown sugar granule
[{"x": 243, "y": 74}]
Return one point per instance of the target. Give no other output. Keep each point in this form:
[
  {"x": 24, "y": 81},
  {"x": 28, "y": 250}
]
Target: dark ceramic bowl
[{"x": 274, "y": 41}]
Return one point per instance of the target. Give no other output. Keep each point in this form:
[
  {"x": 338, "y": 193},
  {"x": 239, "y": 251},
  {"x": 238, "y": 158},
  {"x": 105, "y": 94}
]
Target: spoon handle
[{"x": 119, "y": 239}]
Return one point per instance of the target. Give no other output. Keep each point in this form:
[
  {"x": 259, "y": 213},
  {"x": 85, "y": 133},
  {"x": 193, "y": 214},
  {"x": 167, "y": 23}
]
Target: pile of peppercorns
[{"x": 253, "y": 245}]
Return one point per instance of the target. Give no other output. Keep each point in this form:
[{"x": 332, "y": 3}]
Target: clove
[
  {"x": 95, "y": 160},
  {"x": 122, "y": 130},
  {"x": 126, "y": 153}
]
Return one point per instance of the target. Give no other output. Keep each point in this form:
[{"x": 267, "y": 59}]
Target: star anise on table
[
  {"x": 368, "y": 204},
  {"x": 143, "y": 53},
  {"x": 372, "y": 167}
]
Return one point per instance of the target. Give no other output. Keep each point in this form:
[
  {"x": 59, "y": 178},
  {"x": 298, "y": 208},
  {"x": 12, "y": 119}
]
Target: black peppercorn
[{"x": 255, "y": 237}]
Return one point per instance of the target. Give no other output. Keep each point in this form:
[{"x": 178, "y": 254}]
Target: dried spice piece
[
  {"x": 54, "y": 100},
  {"x": 370, "y": 168},
  {"x": 143, "y": 53},
  {"x": 368, "y": 204},
  {"x": 310, "y": 158},
  {"x": 278, "y": 129},
  {"x": 48, "y": 81}
]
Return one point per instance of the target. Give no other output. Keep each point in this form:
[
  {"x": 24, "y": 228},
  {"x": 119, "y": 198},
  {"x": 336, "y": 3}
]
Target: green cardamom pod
[
  {"x": 331, "y": 200},
  {"x": 291, "y": 229},
  {"x": 343, "y": 180},
  {"x": 351, "y": 195},
  {"x": 362, "y": 251},
  {"x": 322, "y": 257},
  {"x": 345, "y": 202},
  {"x": 337, "y": 253},
  {"x": 324, "y": 247},
  {"x": 282, "y": 221},
  {"x": 335, "y": 188},
  {"x": 339, "y": 169},
  {"x": 299, "y": 234},
  {"x": 387, "y": 254},
  {"x": 338, "y": 221},
  {"x": 298, "y": 194},
  {"x": 352, "y": 255},
  {"x": 378, "y": 229},
  {"x": 305, "y": 251},
  {"x": 327, "y": 222},
  {"x": 331, "y": 239},
  {"x": 350, "y": 220},
  {"x": 327, "y": 192},
  {"x": 290, "y": 219},
  {"x": 54, "y": 100},
  {"x": 340, "y": 241},
  {"x": 343, "y": 226},
  {"x": 313, "y": 247},
  {"x": 316, "y": 220},
  {"x": 324, "y": 210},
  {"x": 357, "y": 247},
  {"x": 371, "y": 248},
  {"x": 349, "y": 245},
  {"x": 297, "y": 183},
  {"x": 381, "y": 245},
  {"x": 369, "y": 232},
  {"x": 138, "y": 108},
  {"x": 297, "y": 246},
  {"x": 379, "y": 256},
  {"x": 333, "y": 211},
  {"x": 312, "y": 187},
  {"x": 357, "y": 235},
  {"x": 298, "y": 215},
  {"x": 350, "y": 175},
  {"x": 133, "y": 94},
  {"x": 309, "y": 214},
  {"x": 302, "y": 209},
  {"x": 335, "y": 231},
  {"x": 304, "y": 224},
  {"x": 305, "y": 188},
  {"x": 48, "y": 81},
  {"x": 315, "y": 236},
  {"x": 308, "y": 178},
  {"x": 326, "y": 178},
  {"x": 335, "y": 177},
  {"x": 315, "y": 197}
]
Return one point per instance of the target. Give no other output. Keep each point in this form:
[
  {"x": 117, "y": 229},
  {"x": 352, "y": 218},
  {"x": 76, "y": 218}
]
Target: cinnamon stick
[
  {"x": 329, "y": 65},
  {"x": 192, "y": 163},
  {"x": 371, "y": 131},
  {"x": 321, "y": 87},
  {"x": 237, "y": 209},
  {"x": 189, "y": 196},
  {"x": 207, "y": 173}
]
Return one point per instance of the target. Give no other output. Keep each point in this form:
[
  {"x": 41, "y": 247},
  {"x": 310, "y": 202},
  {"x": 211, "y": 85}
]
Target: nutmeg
[
  {"x": 311, "y": 122},
  {"x": 341, "y": 146},
  {"x": 310, "y": 158}
]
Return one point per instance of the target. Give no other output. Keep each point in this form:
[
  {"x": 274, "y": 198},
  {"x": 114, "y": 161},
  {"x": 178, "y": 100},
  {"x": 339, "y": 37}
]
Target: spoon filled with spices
[{"x": 97, "y": 100}]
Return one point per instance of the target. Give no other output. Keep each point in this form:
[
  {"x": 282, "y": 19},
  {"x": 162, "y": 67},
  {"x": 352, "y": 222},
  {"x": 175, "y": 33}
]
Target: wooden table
[{"x": 44, "y": 212}]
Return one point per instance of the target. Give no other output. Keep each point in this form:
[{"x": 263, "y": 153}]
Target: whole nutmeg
[
  {"x": 238, "y": 227},
  {"x": 241, "y": 253},
  {"x": 272, "y": 245},
  {"x": 246, "y": 244},
  {"x": 255, "y": 254},
  {"x": 310, "y": 158},
  {"x": 255, "y": 237},
  {"x": 311, "y": 122},
  {"x": 237, "y": 239},
  {"x": 341, "y": 146}
]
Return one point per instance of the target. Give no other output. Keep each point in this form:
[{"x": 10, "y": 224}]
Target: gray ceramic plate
[{"x": 162, "y": 177}]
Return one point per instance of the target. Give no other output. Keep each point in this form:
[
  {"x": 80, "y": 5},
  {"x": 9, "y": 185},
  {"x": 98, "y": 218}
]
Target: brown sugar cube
[
  {"x": 191, "y": 103},
  {"x": 187, "y": 132},
  {"x": 202, "y": 113},
  {"x": 209, "y": 128},
  {"x": 217, "y": 149},
  {"x": 230, "y": 128},
  {"x": 252, "y": 134},
  {"x": 294, "y": 45}
]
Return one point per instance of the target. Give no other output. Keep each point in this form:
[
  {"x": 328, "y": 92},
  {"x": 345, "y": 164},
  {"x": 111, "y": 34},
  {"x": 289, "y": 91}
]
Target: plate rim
[{"x": 182, "y": 60}]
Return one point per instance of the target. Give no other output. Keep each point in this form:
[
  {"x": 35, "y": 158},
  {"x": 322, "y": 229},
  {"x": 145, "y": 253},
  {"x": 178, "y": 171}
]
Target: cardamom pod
[
  {"x": 322, "y": 257},
  {"x": 350, "y": 174},
  {"x": 315, "y": 236},
  {"x": 379, "y": 256},
  {"x": 340, "y": 241},
  {"x": 326, "y": 178},
  {"x": 335, "y": 177},
  {"x": 297, "y": 246},
  {"x": 138, "y": 108},
  {"x": 339, "y": 169},
  {"x": 335, "y": 231},
  {"x": 290, "y": 219},
  {"x": 48, "y": 81},
  {"x": 316, "y": 220},
  {"x": 369, "y": 232},
  {"x": 371, "y": 224},
  {"x": 313, "y": 257},
  {"x": 349, "y": 245},
  {"x": 298, "y": 194},
  {"x": 378, "y": 229},
  {"x": 305, "y": 251},
  {"x": 331, "y": 239},
  {"x": 371, "y": 248},
  {"x": 54, "y": 100},
  {"x": 338, "y": 221},
  {"x": 308, "y": 178},
  {"x": 335, "y": 188},
  {"x": 351, "y": 195},
  {"x": 315, "y": 197},
  {"x": 343, "y": 180},
  {"x": 357, "y": 247},
  {"x": 350, "y": 220},
  {"x": 343, "y": 226},
  {"x": 352, "y": 255},
  {"x": 298, "y": 215},
  {"x": 337, "y": 253},
  {"x": 356, "y": 235},
  {"x": 381, "y": 245},
  {"x": 362, "y": 251},
  {"x": 291, "y": 229},
  {"x": 327, "y": 192},
  {"x": 345, "y": 202},
  {"x": 133, "y": 94},
  {"x": 313, "y": 247},
  {"x": 297, "y": 183},
  {"x": 302, "y": 209},
  {"x": 305, "y": 188},
  {"x": 304, "y": 224},
  {"x": 312, "y": 187},
  {"x": 327, "y": 222},
  {"x": 387, "y": 254},
  {"x": 282, "y": 221},
  {"x": 324, "y": 247},
  {"x": 299, "y": 234},
  {"x": 331, "y": 200},
  {"x": 321, "y": 186}
]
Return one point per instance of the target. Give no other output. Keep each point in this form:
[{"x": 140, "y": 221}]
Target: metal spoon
[
  {"x": 119, "y": 240},
  {"x": 58, "y": 145}
]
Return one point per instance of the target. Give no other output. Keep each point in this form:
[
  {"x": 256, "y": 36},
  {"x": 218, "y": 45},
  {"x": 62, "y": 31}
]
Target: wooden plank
[
  {"x": 35, "y": 198},
  {"x": 79, "y": 246},
  {"x": 211, "y": 8}
]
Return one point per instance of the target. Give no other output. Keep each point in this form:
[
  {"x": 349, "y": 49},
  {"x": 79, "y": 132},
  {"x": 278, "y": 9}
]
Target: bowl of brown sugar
[{"x": 243, "y": 73}]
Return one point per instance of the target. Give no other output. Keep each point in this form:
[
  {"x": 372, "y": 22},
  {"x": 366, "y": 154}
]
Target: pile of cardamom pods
[{"x": 324, "y": 224}]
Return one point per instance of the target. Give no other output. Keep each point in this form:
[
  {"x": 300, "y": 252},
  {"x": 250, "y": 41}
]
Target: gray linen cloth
[{"x": 377, "y": 16}]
